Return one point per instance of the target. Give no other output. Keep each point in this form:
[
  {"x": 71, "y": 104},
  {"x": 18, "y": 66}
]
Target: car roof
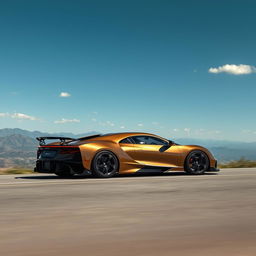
[{"x": 119, "y": 136}]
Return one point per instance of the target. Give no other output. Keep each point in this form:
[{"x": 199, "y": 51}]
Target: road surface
[{"x": 173, "y": 214}]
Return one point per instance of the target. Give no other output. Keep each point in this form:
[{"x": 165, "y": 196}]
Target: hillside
[
  {"x": 225, "y": 151},
  {"x": 18, "y": 147},
  {"x": 33, "y": 134},
  {"x": 17, "y": 150}
]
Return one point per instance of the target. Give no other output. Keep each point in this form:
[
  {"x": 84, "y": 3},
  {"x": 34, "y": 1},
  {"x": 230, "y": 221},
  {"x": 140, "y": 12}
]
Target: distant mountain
[
  {"x": 17, "y": 150},
  {"x": 34, "y": 134},
  {"x": 217, "y": 143},
  {"x": 18, "y": 147},
  {"x": 17, "y": 142},
  {"x": 223, "y": 150}
]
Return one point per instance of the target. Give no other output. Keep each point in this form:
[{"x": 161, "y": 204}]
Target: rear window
[{"x": 126, "y": 141}]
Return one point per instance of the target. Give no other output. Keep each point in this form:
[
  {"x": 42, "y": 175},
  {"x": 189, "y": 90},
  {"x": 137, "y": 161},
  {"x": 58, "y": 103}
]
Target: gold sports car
[{"x": 110, "y": 154}]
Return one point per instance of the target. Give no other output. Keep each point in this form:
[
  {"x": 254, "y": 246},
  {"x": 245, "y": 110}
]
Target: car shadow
[
  {"x": 120, "y": 176},
  {"x": 160, "y": 174},
  {"x": 53, "y": 177}
]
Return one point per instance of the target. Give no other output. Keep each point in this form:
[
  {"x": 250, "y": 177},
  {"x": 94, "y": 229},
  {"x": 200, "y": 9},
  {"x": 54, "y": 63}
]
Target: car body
[{"x": 127, "y": 152}]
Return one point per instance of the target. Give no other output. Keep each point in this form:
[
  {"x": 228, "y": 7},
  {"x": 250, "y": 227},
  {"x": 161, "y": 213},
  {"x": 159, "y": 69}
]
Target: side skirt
[{"x": 152, "y": 169}]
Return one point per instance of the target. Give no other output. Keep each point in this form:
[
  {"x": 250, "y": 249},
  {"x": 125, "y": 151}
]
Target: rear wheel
[
  {"x": 197, "y": 162},
  {"x": 105, "y": 164}
]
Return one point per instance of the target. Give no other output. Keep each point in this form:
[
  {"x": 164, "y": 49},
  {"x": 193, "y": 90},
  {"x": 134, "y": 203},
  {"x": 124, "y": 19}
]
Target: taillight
[{"x": 69, "y": 150}]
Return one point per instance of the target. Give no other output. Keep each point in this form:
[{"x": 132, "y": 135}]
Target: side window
[
  {"x": 126, "y": 141},
  {"x": 148, "y": 140}
]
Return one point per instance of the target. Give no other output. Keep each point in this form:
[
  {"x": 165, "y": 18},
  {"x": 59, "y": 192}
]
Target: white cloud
[
  {"x": 4, "y": 114},
  {"x": 246, "y": 131},
  {"x": 140, "y": 125},
  {"x": 64, "y": 120},
  {"x": 110, "y": 123},
  {"x": 200, "y": 131},
  {"x": 234, "y": 69},
  {"x": 187, "y": 130},
  {"x": 122, "y": 127},
  {"x": 19, "y": 116},
  {"x": 23, "y": 116},
  {"x": 94, "y": 119},
  {"x": 64, "y": 94},
  {"x": 102, "y": 124},
  {"x": 213, "y": 132}
]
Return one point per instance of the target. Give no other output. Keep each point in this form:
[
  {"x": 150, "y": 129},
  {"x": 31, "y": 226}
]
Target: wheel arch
[
  {"x": 101, "y": 150},
  {"x": 196, "y": 149},
  {"x": 89, "y": 150}
]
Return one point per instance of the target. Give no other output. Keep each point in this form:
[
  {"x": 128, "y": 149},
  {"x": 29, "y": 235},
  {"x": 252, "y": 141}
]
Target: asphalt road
[{"x": 173, "y": 214}]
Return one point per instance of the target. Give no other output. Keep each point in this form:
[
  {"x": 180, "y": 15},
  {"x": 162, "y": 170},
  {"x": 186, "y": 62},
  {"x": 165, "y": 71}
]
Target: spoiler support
[{"x": 62, "y": 139}]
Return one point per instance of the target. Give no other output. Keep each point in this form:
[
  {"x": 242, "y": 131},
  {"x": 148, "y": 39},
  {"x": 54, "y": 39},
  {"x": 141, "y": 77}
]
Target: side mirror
[
  {"x": 171, "y": 142},
  {"x": 165, "y": 147}
]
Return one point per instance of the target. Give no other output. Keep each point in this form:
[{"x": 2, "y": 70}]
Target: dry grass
[
  {"x": 241, "y": 163},
  {"x": 15, "y": 170}
]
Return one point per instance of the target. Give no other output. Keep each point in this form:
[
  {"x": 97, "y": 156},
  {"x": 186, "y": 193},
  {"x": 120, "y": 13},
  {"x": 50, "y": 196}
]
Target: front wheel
[
  {"x": 197, "y": 162},
  {"x": 105, "y": 164}
]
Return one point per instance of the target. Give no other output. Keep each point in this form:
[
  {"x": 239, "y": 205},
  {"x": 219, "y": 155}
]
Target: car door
[
  {"x": 127, "y": 146},
  {"x": 153, "y": 151}
]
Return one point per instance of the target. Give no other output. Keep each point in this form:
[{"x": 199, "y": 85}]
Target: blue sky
[{"x": 174, "y": 68}]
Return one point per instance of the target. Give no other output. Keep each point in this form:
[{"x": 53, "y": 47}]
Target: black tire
[
  {"x": 196, "y": 163},
  {"x": 105, "y": 164}
]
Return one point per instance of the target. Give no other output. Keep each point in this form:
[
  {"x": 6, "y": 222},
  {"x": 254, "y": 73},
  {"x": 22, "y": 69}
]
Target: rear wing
[{"x": 63, "y": 140}]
